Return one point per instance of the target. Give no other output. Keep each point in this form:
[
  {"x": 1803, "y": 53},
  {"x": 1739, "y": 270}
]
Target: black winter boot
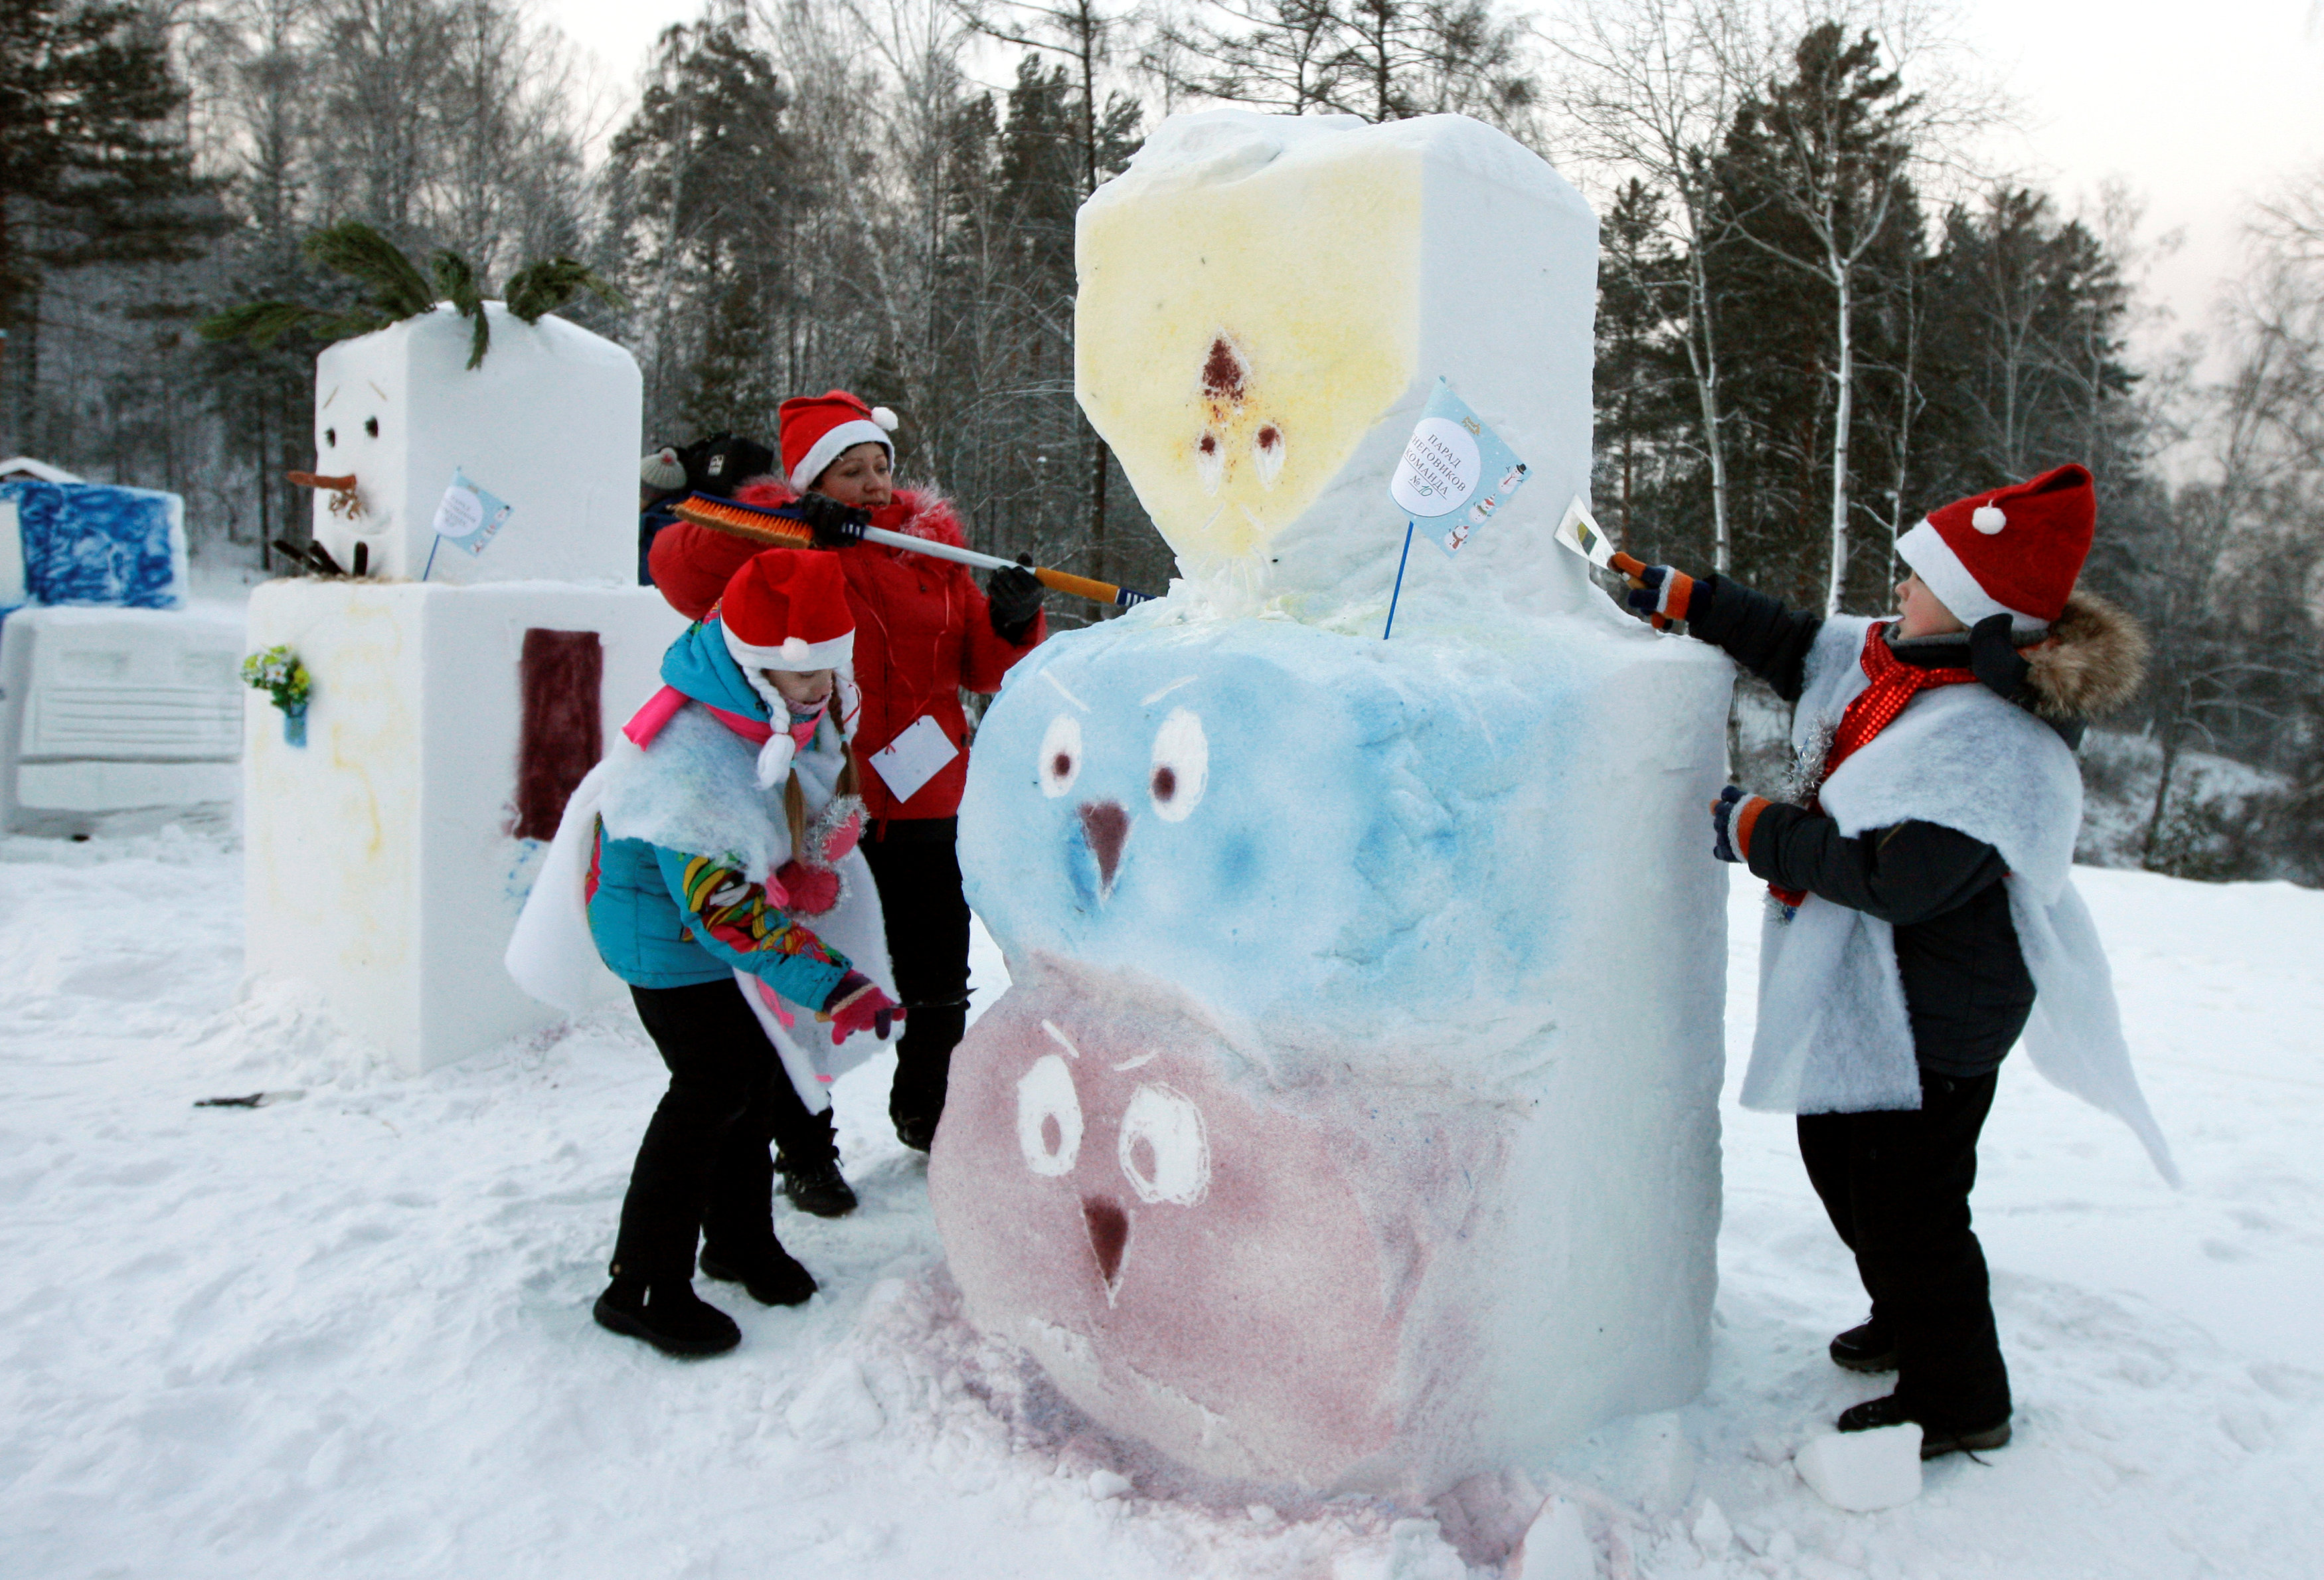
[
  {"x": 819, "y": 1188},
  {"x": 922, "y": 1070},
  {"x": 771, "y": 1274},
  {"x": 1866, "y": 1347},
  {"x": 668, "y": 1316},
  {"x": 1935, "y": 1440}
]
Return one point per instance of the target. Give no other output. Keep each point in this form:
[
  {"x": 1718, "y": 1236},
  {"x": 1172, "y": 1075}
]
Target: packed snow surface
[{"x": 347, "y": 1334}]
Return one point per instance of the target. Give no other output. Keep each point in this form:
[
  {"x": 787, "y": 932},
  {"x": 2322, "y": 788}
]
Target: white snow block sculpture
[
  {"x": 117, "y": 720},
  {"x": 388, "y": 856},
  {"x": 1350, "y": 1120},
  {"x": 1266, "y": 302},
  {"x": 548, "y": 424}
]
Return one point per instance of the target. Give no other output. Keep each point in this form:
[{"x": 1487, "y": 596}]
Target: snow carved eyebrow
[
  {"x": 1060, "y": 1039},
  {"x": 1153, "y": 697},
  {"x": 1131, "y": 1064},
  {"x": 1069, "y": 696}
]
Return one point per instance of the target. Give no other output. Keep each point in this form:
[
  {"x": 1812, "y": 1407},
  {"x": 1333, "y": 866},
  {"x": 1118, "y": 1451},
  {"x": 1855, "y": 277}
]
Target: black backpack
[{"x": 723, "y": 462}]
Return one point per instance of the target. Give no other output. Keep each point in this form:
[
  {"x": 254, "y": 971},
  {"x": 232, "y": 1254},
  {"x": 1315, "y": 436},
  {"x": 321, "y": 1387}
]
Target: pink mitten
[
  {"x": 856, "y": 1005},
  {"x": 844, "y": 835},
  {"x": 812, "y": 890}
]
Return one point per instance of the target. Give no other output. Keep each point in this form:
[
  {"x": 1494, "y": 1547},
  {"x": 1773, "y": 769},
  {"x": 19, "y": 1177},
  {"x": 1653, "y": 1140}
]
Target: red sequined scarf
[{"x": 1892, "y": 683}]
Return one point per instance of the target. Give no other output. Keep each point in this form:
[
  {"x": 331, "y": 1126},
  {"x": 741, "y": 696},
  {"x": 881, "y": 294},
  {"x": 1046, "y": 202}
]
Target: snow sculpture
[
  {"x": 389, "y": 855},
  {"x": 1350, "y": 1119},
  {"x": 118, "y": 707},
  {"x": 116, "y": 720},
  {"x": 540, "y": 423},
  {"x": 91, "y": 544}
]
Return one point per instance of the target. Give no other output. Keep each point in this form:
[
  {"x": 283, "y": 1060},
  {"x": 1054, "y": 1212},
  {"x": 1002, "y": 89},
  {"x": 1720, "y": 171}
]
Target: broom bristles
[{"x": 740, "y": 520}]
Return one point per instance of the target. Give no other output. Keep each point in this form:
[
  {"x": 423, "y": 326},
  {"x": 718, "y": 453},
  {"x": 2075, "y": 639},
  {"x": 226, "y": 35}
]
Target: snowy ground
[{"x": 349, "y": 1334}]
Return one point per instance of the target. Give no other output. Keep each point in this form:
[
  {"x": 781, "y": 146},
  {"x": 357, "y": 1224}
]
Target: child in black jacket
[{"x": 1933, "y": 816}]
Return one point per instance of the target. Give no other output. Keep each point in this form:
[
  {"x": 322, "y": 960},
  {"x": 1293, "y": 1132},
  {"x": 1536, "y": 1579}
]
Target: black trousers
[
  {"x": 915, "y": 866},
  {"x": 1896, "y": 1185},
  {"x": 704, "y": 1163}
]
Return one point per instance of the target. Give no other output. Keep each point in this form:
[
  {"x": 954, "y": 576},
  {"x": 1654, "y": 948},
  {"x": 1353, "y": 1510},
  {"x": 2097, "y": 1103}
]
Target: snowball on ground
[{"x": 1864, "y": 1471}]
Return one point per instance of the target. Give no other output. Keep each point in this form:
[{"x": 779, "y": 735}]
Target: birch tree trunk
[{"x": 1843, "y": 280}]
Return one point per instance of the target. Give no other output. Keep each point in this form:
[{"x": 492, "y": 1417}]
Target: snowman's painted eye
[
  {"x": 1210, "y": 461},
  {"x": 1048, "y": 1117},
  {"x": 371, "y": 426},
  {"x": 1061, "y": 755},
  {"x": 330, "y": 439},
  {"x": 1182, "y": 765},
  {"x": 1164, "y": 1151},
  {"x": 1267, "y": 448}
]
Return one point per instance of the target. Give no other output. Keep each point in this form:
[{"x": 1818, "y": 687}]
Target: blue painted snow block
[{"x": 96, "y": 543}]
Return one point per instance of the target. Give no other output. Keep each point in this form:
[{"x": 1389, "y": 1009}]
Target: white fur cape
[
  {"x": 696, "y": 790},
  {"x": 1833, "y": 1035}
]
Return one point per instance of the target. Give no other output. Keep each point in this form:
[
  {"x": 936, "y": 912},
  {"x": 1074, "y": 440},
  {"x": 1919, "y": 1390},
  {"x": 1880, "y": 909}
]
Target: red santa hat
[
  {"x": 816, "y": 429},
  {"x": 787, "y": 609},
  {"x": 2015, "y": 552}
]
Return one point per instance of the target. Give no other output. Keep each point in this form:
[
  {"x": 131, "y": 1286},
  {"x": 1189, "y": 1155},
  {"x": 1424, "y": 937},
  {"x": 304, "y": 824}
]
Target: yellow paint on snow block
[
  {"x": 1235, "y": 342},
  {"x": 1266, "y": 302}
]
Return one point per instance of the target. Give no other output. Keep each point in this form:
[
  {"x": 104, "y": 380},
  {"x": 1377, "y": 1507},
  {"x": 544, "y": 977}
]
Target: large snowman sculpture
[
  {"x": 457, "y": 699},
  {"x": 1350, "y": 1120}
]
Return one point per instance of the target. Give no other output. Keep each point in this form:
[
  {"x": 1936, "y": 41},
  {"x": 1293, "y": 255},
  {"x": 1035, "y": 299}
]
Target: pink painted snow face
[{"x": 1191, "y": 1269}]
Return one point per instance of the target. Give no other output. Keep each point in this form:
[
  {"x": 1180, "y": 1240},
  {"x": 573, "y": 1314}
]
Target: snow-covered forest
[{"x": 1822, "y": 308}]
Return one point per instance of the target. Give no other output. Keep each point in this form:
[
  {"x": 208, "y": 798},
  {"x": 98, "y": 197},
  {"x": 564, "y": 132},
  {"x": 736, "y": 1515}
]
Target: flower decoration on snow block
[{"x": 278, "y": 672}]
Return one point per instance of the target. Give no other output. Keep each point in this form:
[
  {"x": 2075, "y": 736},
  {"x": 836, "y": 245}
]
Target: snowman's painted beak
[
  {"x": 1108, "y": 1237},
  {"x": 1105, "y": 826}
]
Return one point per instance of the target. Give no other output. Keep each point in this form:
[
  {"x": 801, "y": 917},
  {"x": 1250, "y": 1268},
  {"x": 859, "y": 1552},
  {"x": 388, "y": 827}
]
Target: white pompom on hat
[
  {"x": 2015, "y": 551},
  {"x": 817, "y": 430}
]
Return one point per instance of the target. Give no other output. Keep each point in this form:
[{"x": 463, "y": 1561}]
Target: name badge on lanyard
[{"x": 914, "y": 757}]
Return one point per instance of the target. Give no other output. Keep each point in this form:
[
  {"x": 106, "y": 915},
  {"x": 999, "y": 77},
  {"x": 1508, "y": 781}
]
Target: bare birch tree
[{"x": 1654, "y": 87}]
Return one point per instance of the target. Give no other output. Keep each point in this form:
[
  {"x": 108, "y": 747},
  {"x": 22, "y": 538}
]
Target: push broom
[{"x": 783, "y": 527}]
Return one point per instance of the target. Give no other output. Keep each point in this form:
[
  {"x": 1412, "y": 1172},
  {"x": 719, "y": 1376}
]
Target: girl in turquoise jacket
[{"x": 723, "y": 887}]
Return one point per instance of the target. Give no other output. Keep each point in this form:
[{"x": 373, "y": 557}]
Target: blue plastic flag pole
[
  {"x": 438, "y": 543},
  {"x": 1393, "y": 596}
]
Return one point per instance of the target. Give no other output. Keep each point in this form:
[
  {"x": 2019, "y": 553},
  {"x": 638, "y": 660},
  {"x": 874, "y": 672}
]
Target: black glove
[
  {"x": 1012, "y": 598},
  {"x": 1994, "y": 657},
  {"x": 834, "y": 524}
]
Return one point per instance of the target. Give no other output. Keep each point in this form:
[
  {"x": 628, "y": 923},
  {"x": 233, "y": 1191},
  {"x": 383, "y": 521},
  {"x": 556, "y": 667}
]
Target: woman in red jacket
[{"x": 924, "y": 633}]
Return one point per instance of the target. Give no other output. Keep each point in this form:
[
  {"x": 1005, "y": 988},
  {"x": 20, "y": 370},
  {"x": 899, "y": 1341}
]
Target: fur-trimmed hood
[{"x": 2093, "y": 661}]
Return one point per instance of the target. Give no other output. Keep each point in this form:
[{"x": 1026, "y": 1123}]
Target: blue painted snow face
[{"x": 1253, "y": 810}]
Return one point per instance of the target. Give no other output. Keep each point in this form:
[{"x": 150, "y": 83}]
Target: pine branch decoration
[
  {"x": 546, "y": 284},
  {"x": 399, "y": 290},
  {"x": 355, "y": 250}
]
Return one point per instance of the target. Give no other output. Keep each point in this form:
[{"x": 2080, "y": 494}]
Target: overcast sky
[{"x": 2200, "y": 108}]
